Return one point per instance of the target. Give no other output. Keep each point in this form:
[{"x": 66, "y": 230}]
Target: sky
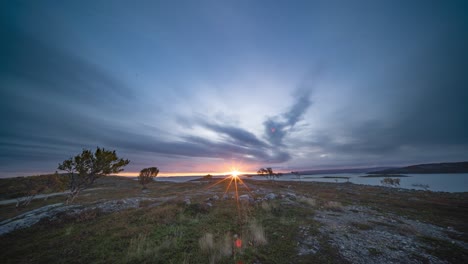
[{"x": 207, "y": 86}]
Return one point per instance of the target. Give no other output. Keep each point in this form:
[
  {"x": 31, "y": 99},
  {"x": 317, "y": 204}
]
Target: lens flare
[
  {"x": 233, "y": 178},
  {"x": 233, "y": 181}
]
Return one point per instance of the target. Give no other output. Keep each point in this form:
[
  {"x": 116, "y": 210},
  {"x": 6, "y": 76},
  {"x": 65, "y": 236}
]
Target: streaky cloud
[{"x": 276, "y": 128}]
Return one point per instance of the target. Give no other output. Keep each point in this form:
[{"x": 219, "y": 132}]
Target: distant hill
[
  {"x": 448, "y": 167},
  {"x": 334, "y": 171}
]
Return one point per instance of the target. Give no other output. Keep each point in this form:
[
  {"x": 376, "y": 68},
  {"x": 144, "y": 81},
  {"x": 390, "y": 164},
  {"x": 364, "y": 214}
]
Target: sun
[{"x": 234, "y": 173}]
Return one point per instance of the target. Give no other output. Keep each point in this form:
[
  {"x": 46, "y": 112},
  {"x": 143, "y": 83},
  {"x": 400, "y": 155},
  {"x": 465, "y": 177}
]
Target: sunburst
[
  {"x": 235, "y": 180},
  {"x": 234, "y": 173}
]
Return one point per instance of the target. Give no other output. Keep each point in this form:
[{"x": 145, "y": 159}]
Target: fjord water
[{"x": 443, "y": 182}]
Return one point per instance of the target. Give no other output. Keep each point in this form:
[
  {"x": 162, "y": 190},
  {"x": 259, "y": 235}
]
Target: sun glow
[
  {"x": 232, "y": 179},
  {"x": 234, "y": 173}
]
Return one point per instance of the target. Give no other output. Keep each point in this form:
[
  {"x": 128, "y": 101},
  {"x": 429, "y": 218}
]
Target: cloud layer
[{"x": 189, "y": 88}]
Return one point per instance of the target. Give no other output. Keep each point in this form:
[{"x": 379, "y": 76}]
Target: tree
[
  {"x": 268, "y": 172},
  {"x": 271, "y": 174},
  {"x": 147, "y": 175},
  {"x": 262, "y": 171},
  {"x": 390, "y": 182},
  {"x": 85, "y": 168},
  {"x": 298, "y": 174}
]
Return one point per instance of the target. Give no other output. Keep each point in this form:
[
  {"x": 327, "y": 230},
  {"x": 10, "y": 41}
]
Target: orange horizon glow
[
  {"x": 215, "y": 169},
  {"x": 181, "y": 174}
]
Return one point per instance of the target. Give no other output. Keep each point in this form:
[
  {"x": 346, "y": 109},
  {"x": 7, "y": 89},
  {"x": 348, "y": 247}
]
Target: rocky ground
[
  {"x": 339, "y": 218},
  {"x": 364, "y": 235}
]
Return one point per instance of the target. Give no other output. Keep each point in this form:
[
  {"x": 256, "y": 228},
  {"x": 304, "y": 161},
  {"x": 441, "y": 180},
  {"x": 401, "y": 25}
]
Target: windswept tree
[
  {"x": 146, "y": 175},
  {"x": 271, "y": 174},
  {"x": 297, "y": 174},
  {"x": 268, "y": 172},
  {"x": 85, "y": 168},
  {"x": 390, "y": 182},
  {"x": 262, "y": 171}
]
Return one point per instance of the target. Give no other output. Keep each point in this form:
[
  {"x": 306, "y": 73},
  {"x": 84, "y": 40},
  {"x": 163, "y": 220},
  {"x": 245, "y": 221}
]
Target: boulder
[
  {"x": 270, "y": 196},
  {"x": 244, "y": 197}
]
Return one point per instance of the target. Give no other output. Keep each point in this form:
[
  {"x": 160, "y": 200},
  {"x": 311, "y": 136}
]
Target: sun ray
[
  {"x": 234, "y": 178},
  {"x": 216, "y": 183},
  {"x": 237, "y": 195},
  {"x": 229, "y": 185},
  {"x": 245, "y": 185}
]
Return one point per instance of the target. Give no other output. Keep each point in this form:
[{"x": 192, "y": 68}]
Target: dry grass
[
  {"x": 362, "y": 226},
  {"x": 225, "y": 247},
  {"x": 257, "y": 233},
  {"x": 309, "y": 201},
  {"x": 206, "y": 242},
  {"x": 266, "y": 206},
  {"x": 141, "y": 248},
  {"x": 216, "y": 249},
  {"x": 405, "y": 229},
  {"x": 333, "y": 206}
]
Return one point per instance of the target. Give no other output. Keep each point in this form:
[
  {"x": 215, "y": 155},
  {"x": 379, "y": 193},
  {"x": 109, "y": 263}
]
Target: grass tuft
[
  {"x": 309, "y": 201},
  {"x": 206, "y": 242},
  {"x": 141, "y": 248},
  {"x": 333, "y": 206},
  {"x": 257, "y": 233}
]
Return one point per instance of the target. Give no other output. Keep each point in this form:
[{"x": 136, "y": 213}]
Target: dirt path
[
  {"x": 41, "y": 196},
  {"x": 30, "y": 218}
]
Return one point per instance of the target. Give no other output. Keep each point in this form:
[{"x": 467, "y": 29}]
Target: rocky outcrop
[
  {"x": 32, "y": 217},
  {"x": 52, "y": 211}
]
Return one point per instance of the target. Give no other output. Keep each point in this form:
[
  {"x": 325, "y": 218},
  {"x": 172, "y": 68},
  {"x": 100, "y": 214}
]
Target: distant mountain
[
  {"x": 336, "y": 171},
  {"x": 448, "y": 167}
]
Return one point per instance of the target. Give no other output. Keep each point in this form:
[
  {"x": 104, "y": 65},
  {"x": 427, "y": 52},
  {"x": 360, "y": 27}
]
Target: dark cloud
[
  {"x": 236, "y": 135},
  {"x": 427, "y": 110},
  {"x": 234, "y": 142},
  {"x": 196, "y": 147},
  {"x": 44, "y": 87},
  {"x": 51, "y": 99},
  {"x": 276, "y": 128}
]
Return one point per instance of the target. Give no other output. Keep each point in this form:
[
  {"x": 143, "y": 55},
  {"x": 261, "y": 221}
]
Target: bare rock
[{"x": 244, "y": 197}]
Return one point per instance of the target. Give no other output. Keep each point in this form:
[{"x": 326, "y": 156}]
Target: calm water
[
  {"x": 177, "y": 179},
  {"x": 437, "y": 182}
]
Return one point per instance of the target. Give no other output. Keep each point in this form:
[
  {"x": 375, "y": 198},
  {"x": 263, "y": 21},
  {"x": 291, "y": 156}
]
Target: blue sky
[{"x": 202, "y": 86}]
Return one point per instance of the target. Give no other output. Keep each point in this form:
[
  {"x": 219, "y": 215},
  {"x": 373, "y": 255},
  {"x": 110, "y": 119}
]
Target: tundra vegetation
[
  {"x": 281, "y": 222},
  {"x": 26, "y": 189}
]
